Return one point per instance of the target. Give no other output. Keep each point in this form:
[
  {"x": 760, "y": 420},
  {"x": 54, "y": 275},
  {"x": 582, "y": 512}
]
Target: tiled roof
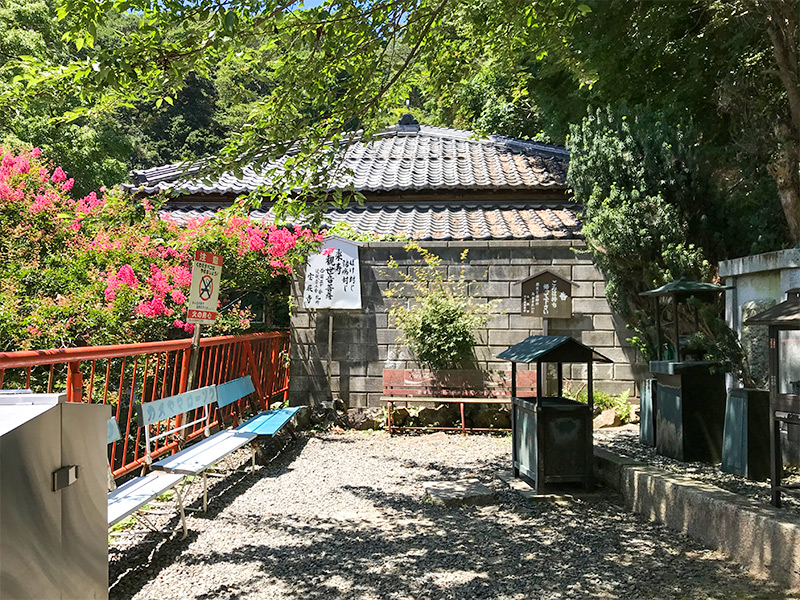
[
  {"x": 434, "y": 221},
  {"x": 405, "y": 157}
]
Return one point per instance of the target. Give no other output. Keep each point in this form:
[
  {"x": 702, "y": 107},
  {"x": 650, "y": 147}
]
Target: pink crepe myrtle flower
[
  {"x": 152, "y": 308},
  {"x": 58, "y": 175},
  {"x": 178, "y": 323},
  {"x": 22, "y": 165},
  {"x": 188, "y": 327},
  {"x": 36, "y": 153},
  {"x": 178, "y": 297},
  {"x": 328, "y": 251},
  {"x": 158, "y": 280},
  {"x": 181, "y": 275},
  {"x": 8, "y": 161},
  {"x": 67, "y": 185}
]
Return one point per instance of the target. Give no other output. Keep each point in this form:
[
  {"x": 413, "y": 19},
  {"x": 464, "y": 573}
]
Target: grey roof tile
[
  {"x": 433, "y": 221},
  {"x": 403, "y": 157}
]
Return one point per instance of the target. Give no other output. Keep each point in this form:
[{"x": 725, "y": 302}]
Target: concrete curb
[{"x": 764, "y": 540}]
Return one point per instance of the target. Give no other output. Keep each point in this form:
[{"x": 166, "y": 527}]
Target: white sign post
[
  {"x": 333, "y": 281},
  {"x": 202, "y": 304},
  {"x": 206, "y": 274}
]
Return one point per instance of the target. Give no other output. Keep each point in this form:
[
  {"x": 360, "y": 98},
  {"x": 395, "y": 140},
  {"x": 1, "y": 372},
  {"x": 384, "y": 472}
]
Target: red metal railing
[{"x": 122, "y": 376}]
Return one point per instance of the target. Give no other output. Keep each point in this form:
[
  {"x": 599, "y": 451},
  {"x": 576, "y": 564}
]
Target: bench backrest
[
  {"x": 112, "y": 431},
  {"x": 165, "y": 409},
  {"x": 471, "y": 384},
  {"x": 231, "y": 391},
  {"x": 159, "y": 410}
]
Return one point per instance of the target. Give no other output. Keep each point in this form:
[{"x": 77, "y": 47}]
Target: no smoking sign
[{"x": 206, "y": 273}]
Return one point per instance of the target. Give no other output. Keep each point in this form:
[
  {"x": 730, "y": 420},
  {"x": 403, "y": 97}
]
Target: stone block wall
[{"x": 364, "y": 342}]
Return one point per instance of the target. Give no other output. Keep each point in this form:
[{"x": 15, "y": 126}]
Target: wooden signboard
[{"x": 547, "y": 295}]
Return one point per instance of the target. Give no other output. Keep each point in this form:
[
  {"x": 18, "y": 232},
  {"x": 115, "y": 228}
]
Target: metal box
[
  {"x": 745, "y": 444},
  {"x": 648, "y": 404},
  {"x": 53, "y": 498},
  {"x": 552, "y": 442},
  {"x": 690, "y": 413}
]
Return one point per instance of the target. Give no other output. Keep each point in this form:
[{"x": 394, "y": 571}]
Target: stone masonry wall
[{"x": 364, "y": 342}]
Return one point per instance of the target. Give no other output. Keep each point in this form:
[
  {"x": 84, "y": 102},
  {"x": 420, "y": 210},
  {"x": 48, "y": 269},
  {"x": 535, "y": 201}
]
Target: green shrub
[
  {"x": 604, "y": 401},
  {"x": 439, "y": 319}
]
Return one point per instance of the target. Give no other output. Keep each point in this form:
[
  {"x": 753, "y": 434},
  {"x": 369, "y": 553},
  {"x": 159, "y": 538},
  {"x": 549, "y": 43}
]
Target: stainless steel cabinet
[{"x": 53, "y": 498}]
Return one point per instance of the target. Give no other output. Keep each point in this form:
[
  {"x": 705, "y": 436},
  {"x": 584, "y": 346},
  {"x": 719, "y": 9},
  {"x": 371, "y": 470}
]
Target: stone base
[{"x": 466, "y": 492}]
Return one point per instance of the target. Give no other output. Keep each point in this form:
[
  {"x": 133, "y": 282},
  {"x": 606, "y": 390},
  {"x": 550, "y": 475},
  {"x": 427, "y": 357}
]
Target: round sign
[{"x": 206, "y": 287}]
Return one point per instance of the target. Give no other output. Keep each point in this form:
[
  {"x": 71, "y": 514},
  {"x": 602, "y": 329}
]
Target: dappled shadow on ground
[
  {"x": 404, "y": 547},
  {"x": 131, "y": 565}
]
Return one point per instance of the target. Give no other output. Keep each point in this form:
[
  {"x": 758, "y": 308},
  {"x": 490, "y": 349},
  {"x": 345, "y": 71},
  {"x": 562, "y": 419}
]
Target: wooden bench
[
  {"x": 416, "y": 387},
  {"x": 137, "y": 493}
]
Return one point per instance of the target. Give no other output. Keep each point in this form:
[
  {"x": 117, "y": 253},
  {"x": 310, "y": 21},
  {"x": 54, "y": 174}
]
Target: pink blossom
[
  {"x": 181, "y": 275},
  {"x": 328, "y": 251},
  {"x": 189, "y": 327},
  {"x": 36, "y": 153},
  {"x": 22, "y": 165},
  {"x": 157, "y": 280},
  {"x": 43, "y": 174},
  {"x": 67, "y": 185},
  {"x": 58, "y": 175},
  {"x": 152, "y": 308},
  {"x": 178, "y": 323},
  {"x": 43, "y": 202},
  {"x": 127, "y": 276},
  {"x": 8, "y": 161},
  {"x": 178, "y": 297},
  {"x": 10, "y": 194}
]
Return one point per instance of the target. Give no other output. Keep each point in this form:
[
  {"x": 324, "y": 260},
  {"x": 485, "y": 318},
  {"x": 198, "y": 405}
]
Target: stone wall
[{"x": 364, "y": 342}]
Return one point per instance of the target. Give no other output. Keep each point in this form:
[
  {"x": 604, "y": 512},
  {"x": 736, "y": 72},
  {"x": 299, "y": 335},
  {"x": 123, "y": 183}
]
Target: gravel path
[
  {"x": 343, "y": 516},
  {"x": 625, "y": 441}
]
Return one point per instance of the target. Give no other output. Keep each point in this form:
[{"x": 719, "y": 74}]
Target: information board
[
  {"x": 206, "y": 275},
  {"x": 547, "y": 295},
  {"x": 333, "y": 278}
]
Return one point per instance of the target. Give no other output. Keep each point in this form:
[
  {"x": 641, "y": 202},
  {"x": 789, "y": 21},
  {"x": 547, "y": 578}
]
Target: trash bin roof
[
  {"x": 785, "y": 313},
  {"x": 551, "y": 348},
  {"x": 684, "y": 286}
]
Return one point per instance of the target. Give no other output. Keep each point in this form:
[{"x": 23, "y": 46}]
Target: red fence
[{"x": 122, "y": 376}]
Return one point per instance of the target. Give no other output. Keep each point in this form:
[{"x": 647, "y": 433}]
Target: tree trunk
[
  {"x": 783, "y": 27},
  {"x": 785, "y": 168}
]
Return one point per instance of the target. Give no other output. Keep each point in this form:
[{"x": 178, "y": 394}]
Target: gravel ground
[
  {"x": 625, "y": 441},
  {"x": 343, "y": 516}
]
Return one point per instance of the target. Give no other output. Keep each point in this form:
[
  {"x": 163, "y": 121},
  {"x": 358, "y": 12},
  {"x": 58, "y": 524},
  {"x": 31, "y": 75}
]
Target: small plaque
[{"x": 547, "y": 295}]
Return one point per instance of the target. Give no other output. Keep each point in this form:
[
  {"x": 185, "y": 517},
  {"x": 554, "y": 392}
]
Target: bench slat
[
  {"x": 198, "y": 457},
  {"x": 134, "y": 494},
  {"x": 269, "y": 422},
  {"x": 158, "y": 410}
]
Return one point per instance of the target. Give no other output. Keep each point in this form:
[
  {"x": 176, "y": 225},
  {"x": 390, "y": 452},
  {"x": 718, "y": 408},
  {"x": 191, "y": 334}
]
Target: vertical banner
[
  {"x": 203, "y": 294},
  {"x": 333, "y": 277}
]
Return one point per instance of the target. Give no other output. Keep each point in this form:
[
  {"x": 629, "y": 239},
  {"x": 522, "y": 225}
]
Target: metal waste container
[
  {"x": 551, "y": 435},
  {"x": 53, "y": 498}
]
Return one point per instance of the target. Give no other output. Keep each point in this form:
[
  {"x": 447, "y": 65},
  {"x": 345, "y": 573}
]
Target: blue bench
[
  {"x": 266, "y": 423},
  {"x": 141, "y": 491},
  {"x": 197, "y": 459}
]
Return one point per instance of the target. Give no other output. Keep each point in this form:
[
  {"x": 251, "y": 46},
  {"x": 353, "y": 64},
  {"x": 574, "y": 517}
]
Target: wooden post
[
  {"x": 514, "y": 469},
  {"x": 657, "y": 306},
  {"x": 330, "y": 353},
  {"x": 677, "y": 328},
  {"x": 194, "y": 360}
]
